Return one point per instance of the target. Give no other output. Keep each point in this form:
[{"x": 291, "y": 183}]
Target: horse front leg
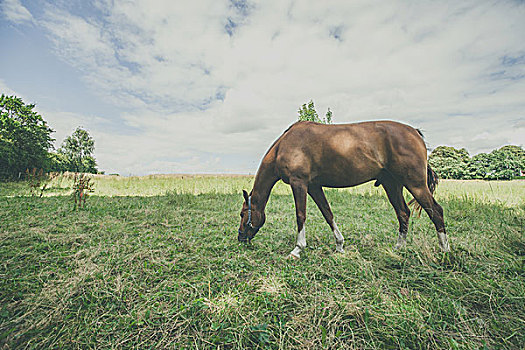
[
  {"x": 299, "y": 190},
  {"x": 317, "y": 194}
]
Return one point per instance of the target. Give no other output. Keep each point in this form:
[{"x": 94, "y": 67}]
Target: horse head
[{"x": 252, "y": 219}]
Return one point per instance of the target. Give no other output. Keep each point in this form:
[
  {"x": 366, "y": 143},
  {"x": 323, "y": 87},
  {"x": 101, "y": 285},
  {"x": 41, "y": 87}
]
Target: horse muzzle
[
  {"x": 243, "y": 239},
  {"x": 246, "y": 236}
]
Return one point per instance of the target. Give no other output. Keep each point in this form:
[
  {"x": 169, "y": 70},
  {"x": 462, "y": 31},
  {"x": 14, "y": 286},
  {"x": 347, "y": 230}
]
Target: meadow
[{"x": 153, "y": 262}]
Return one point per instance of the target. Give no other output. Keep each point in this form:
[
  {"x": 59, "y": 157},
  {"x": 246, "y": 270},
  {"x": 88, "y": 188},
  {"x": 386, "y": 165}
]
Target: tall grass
[{"x": 507, "y": 193}]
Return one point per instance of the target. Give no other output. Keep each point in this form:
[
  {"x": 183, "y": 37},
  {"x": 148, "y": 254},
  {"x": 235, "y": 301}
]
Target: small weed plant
[
  {"x": 82, "y": 186},
  {"x": 38, "y": 181}
]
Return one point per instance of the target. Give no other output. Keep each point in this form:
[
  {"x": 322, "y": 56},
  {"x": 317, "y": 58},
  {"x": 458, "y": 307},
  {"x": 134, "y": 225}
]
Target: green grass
[{"x": 153, "y": 263}]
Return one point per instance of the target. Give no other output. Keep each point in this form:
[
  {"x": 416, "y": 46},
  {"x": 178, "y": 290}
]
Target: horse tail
[{"x": 432, "y": 182}]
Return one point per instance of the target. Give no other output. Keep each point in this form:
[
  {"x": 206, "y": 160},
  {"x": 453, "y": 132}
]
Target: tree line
[
  {"x": 26, "y": 143},
  {"x": 505, "y": 163}
]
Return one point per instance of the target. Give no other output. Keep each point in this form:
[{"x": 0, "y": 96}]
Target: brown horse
[{"x": 309, "y": 156}]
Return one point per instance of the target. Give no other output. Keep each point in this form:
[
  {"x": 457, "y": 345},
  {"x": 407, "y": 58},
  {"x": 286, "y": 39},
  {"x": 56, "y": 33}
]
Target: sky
[{"x": 205, "y": 86}]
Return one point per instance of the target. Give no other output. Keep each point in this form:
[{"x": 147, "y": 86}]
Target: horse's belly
[
  {"x": 348, "y": 165},
  {"x": 345, "y": 176}
]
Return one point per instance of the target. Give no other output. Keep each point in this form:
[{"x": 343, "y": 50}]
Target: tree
[
  {"x": 328, "y": 116},
  {"x": 449, "y": 162},
  {"x": 479, "y": 166},
  {"x": 506, "y": 163},
  {"x": 25, "y": 137},
  {"x": 58, "y": 162},
  {"x": 308, "y": 113},
  {"x": 76, "y": 153}
]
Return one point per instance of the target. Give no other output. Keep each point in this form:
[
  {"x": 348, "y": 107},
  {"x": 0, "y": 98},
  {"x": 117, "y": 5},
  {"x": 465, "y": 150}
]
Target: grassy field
[{"x": 153, "y": 262}]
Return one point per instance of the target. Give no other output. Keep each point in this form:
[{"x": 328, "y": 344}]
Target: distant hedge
[{"x": 505, "y": 163}]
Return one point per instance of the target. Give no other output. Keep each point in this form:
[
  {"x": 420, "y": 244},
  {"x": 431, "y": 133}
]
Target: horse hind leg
[
  {"x": 317, "y": 194},
  {"x": 435, "y": 212},
  {"x": 394, "y": 191}
]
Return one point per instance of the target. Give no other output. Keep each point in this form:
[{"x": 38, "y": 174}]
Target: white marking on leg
[
  {"x": 443, "y": 242},
  {"x": 339, "y": 239},
  {"x": 401, "y": 240},
  {"x": 300, "y": 245}
]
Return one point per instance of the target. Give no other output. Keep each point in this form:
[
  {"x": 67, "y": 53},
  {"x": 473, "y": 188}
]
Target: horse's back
[{"x": 341, "y": 155}]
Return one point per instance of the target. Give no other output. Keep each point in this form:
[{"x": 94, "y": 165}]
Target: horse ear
[{"x": 245, "y": 195}]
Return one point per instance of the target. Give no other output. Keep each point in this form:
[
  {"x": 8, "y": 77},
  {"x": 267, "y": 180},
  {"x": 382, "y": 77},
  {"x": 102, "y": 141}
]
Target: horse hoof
[
  {"x": 339, "y": 251},
  {"x": 399, "y": 246},
  {"x": 445, "y": 249},
  {"x": 292, "y": 257}
]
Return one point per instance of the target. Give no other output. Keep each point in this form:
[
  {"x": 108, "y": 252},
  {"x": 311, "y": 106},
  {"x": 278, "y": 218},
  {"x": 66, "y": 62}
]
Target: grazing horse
[{"x": 309, "y": 156}]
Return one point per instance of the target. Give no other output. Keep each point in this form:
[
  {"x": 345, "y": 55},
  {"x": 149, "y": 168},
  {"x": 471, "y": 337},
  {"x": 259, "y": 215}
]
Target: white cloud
[
  {"x": 225, "y": 78},
  {"x": 14, "y": 11}
]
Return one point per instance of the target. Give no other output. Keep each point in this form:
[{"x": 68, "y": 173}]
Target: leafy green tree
[
  {"x": 25, "y": 137},
  {"x": 308, "y": 113},
  {"x": 76, "y": 153},
  {"x": 58, "y": 162},
  {"x": 479, "y": 166},
  {"x": 449, "y": 162},
  {"x": 506, "y": 163},
  {"x": 328, "y": 116}
]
